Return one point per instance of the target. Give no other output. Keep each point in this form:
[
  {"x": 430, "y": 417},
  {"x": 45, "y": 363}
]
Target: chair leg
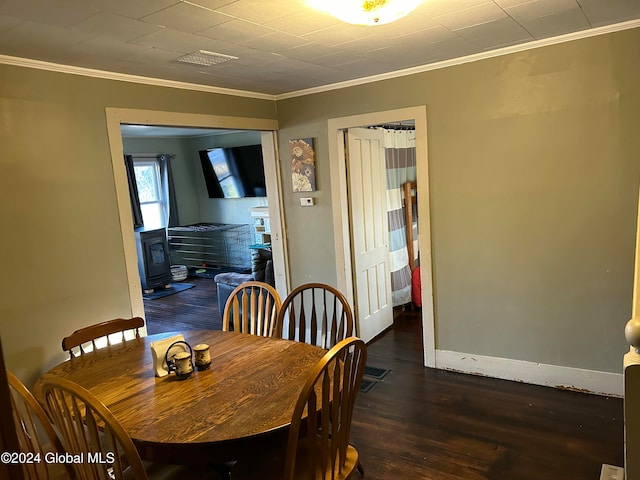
[{"x": 360, "y": 469}]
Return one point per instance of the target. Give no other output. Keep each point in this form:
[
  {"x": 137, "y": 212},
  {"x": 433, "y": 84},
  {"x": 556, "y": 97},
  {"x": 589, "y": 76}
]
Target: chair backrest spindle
[
  {"x": 252, "y": 307},
  {"x": 315, "y": 313},
  {"x": 331, "y": 391},
  {"x": 86, "y": 427},
  {"x": 103, "y": 330},
  {"x": 35, "y": 433}
]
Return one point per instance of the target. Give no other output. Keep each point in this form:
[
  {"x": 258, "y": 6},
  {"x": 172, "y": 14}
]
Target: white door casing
[
  {"x": 339, "y": 202},
  {"x": 116, "y": 116},
  {"x": 370, "y": 233},
  {"x": 278, "y": 231}
]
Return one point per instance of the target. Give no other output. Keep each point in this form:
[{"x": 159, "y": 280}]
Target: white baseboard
[{"x": 589, "y": 381}]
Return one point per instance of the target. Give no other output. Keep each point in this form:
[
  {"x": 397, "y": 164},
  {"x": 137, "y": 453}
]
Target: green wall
[
  {"x": 533, "y": 169},
  {"x": 61, "y": 242},
  {"x": 194, "y": 204},
  {"x": 533, "y": 178}
]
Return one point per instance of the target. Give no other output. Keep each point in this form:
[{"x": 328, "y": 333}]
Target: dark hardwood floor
[
  {"x": 193, "y": 309},
  {"x": 421, "y": 423}
]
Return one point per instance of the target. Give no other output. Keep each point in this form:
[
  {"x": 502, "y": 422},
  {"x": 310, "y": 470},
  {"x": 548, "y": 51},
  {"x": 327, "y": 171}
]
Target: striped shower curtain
[{"x": 400, "y": 156}]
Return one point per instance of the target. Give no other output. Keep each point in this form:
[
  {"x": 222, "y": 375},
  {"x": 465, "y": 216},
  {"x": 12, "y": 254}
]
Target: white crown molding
[
  {"x": 88, "y": 72},
  {"x": 588, "y": 381},
  {"x": 124, "y": 77},
  {"x": 469, "y": 58}
]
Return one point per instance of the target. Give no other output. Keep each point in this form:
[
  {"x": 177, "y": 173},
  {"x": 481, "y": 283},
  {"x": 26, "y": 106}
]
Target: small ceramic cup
[
  {"x": 184, "y": 367},
  {"x": 203, "y": 356}
]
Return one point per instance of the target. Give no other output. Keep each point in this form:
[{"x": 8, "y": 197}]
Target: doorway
[
  {"x": 116, "y": 117},
  {"x": 341, "y": 201}
]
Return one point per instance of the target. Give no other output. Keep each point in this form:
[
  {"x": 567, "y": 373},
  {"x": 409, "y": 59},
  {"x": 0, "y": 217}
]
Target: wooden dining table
[{"x": 241, "y": 404}]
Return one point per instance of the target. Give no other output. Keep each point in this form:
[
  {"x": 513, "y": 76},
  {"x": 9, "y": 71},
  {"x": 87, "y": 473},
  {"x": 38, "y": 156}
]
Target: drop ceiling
[{"x": 282, "y": 46}]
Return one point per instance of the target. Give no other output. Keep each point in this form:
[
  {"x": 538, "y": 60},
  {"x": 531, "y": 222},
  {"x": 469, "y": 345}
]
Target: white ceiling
[{"x": 282, "y": 46}]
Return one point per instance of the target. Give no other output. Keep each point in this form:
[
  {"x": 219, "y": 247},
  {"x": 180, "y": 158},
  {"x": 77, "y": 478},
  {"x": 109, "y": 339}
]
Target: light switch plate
[{"x": 307, "y": 201}]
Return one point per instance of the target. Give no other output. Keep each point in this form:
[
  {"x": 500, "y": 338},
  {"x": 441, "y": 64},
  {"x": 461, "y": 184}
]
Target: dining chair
[
  {"x": 35, "y": 434},
  {"x": 315, "y": 313},
  {"x": 100, "y": 332},
  {"x": 252, "y": 307},
  {"x": 318, "y": 445},
  {"x": 88, "y": 430}
]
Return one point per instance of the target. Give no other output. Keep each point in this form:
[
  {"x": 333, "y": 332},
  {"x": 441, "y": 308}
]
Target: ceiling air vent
[{"x": 203, "y": 57}]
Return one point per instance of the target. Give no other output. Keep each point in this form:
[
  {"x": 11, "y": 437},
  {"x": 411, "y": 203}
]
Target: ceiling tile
[
  {"x": 226, "y": 48},
  {"x": 41, "y": 42},
  {"x": 367, "y": 43},
  {"x": 496, "y": 34},
  {"x": 336, "y": 58},
  {"x": 413, "y": 22},
  {"x": 541, "y": 8},
  {"x": 337, "y": 34},
  {"x": 557, "y": 24},
  {"x": 603, "y": 13},
  {"x": 107, "y": 48},
  {"x": 452, "y": 48},
  {"x": 211, "y": 4},
  {"x": 236, "y": 31},
  {"x": 302, "y": 23},
  {"x": 111, "y": 25},
  {"x": 512, "y": 3},
  {"x": 186, "y": 18},
  {"x": 430, "y": 35},
  {"x": 131, "y": 8},
  {"x": 362, "y": 67},
  {"x": 275, "y": 41},
  {"x": 171, "y": 40},
  {"x": 261, "y": 11},
  {"x": 476, "y": 15},
  {"x": 150, "y": 55},
  {"x": 308, "y": 51},
  {"x": 437, "y": 8},
  {"x": 410, "y": 58},
  {"x": 55, "y": 13}
]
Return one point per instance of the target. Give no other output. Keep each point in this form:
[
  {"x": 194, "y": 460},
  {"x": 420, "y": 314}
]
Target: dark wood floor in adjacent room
[
  {"x": 421, "y": 423},
  {"x": 193, "y": 309}
]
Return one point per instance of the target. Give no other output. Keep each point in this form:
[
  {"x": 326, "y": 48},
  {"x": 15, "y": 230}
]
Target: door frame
[
  {"x": 340, "y": 205},
  {"x": 268, "y": 127}
]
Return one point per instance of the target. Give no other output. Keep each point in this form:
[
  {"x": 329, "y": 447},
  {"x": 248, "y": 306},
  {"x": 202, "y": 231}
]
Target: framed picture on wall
[{"x": 303, "y": 165}]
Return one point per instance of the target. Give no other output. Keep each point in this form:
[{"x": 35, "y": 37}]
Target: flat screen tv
[{"x": 234, "y": 172}]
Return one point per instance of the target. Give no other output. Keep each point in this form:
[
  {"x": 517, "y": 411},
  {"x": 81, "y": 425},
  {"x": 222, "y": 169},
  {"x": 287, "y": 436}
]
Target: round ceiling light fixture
[{"x": 366, "y": 12}]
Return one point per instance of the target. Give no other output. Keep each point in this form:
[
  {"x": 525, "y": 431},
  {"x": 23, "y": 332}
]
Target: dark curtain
[
  {"x": 171, "y": 205},
  {"x": 136, "y": 211}
]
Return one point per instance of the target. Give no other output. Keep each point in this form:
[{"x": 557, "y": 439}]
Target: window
[
  {"x": 222, "y": 170},
  {"x": 150, "y": 193}
]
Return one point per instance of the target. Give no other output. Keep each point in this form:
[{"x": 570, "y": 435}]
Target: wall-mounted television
[{"x": 234, "y": 172}]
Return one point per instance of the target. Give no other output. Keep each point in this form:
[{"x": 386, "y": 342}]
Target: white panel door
[{"x": 370, "y": 235}]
